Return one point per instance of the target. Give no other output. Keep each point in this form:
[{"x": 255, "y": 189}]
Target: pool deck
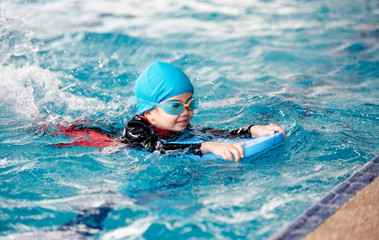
[{"x": 349, "y": 211}]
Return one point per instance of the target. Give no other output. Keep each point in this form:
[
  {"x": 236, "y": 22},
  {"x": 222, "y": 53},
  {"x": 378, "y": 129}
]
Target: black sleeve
[
  {"x": 139, "y": 134},
  {"x": 229, "y": 134}
]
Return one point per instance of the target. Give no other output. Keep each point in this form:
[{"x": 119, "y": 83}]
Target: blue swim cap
[{"x": 158, "y": 82}]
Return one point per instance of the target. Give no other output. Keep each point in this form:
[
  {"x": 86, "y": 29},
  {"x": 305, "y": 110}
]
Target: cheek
[
  {"x": 172, "y": 118},
  {"x": 167, "y": 119}
]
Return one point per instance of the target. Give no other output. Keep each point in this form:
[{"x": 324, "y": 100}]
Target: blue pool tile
[
  {"x": 354, "y": 188},
  {"x": 291, "y": 236},
  {"x": 342, "y": 187},
  {"x": 321, "y": 211},
  {"x": 328, "y": 198},
  {"x": 299, "y": 223},
  {"x": 325, "y": 211},
  {"x": 362, "y": 177},
  {"x": 313, "y": 210},
  {"x": 340, "y": 199},
  {"x": 314, "y": 221},
  {"x": 371, "y": 168},
  {"x": 375, "y": 160}
]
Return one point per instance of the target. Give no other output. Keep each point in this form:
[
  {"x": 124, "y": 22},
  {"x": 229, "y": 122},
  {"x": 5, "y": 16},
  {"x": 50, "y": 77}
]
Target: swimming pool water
[{"x": 308, "y": 66}]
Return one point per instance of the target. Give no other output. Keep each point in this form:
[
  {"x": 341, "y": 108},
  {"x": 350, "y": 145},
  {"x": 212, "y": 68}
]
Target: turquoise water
[{"x": 308, "y": 66}]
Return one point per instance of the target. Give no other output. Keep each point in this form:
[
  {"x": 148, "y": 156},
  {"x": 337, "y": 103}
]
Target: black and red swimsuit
[{"x": 141, "y": 133}]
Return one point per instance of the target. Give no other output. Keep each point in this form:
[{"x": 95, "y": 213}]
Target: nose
[{"x": 184, "y": 112}]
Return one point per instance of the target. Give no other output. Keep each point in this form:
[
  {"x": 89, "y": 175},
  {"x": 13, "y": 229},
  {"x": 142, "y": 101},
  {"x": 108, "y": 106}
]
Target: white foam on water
[
  {"x": 38, "y": 94},
  {"x": 18, "y": 85},
  {"x": 32, "y": 92},
  {"x": 14, "y": 166},
  {"x": 133, "y": 231},
  {"x": 158, "y": 19}
]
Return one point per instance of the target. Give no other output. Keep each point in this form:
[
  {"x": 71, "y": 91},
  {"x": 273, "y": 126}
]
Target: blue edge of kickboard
[{"x": 253, "y": 146}]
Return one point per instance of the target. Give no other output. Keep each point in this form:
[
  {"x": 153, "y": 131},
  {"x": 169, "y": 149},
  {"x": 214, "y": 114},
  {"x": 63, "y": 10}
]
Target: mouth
[{"x": 183, "y": 122}]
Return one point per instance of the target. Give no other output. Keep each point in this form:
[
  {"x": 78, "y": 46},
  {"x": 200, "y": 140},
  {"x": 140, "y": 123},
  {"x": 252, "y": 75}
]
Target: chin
[{"x": 180, "y": 128}]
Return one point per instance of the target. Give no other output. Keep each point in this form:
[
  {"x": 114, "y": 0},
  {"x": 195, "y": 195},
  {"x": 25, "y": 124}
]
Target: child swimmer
[{"x": 165, "y": 106}]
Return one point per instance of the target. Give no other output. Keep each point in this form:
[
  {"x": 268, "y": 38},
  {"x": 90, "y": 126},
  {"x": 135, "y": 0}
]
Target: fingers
[
  {"x": 276, "y": 128},
  {"x": 227, "y": 151},
  {"x": 240, "y": 152},
  {"x": 233, "y": 151},
  {"x": 258, "y": 131},
  {"x": 227, "y": 155}
]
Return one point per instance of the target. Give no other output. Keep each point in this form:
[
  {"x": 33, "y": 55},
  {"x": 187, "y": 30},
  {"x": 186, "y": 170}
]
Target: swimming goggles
[{"x": 174, "y": 107}]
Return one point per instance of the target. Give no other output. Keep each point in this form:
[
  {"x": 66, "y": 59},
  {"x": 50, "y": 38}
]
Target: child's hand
[
  {"x": 228, "y": 151},
  {"x": 258, "y": 131}
]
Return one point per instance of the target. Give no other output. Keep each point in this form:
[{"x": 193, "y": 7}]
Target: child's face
[{"x": 162, "y": 119}]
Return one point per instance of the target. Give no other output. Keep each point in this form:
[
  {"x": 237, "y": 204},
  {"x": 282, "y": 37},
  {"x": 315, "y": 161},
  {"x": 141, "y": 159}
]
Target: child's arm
[
  {"x": 227, "y": 133},
  {"x": 258, "y": 131},
  {"x": 252, "y": 131},
  {"x": 228, "y": 151}
]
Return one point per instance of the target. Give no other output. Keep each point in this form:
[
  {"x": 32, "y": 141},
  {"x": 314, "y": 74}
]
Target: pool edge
[{"x": 314, "y": 216}]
